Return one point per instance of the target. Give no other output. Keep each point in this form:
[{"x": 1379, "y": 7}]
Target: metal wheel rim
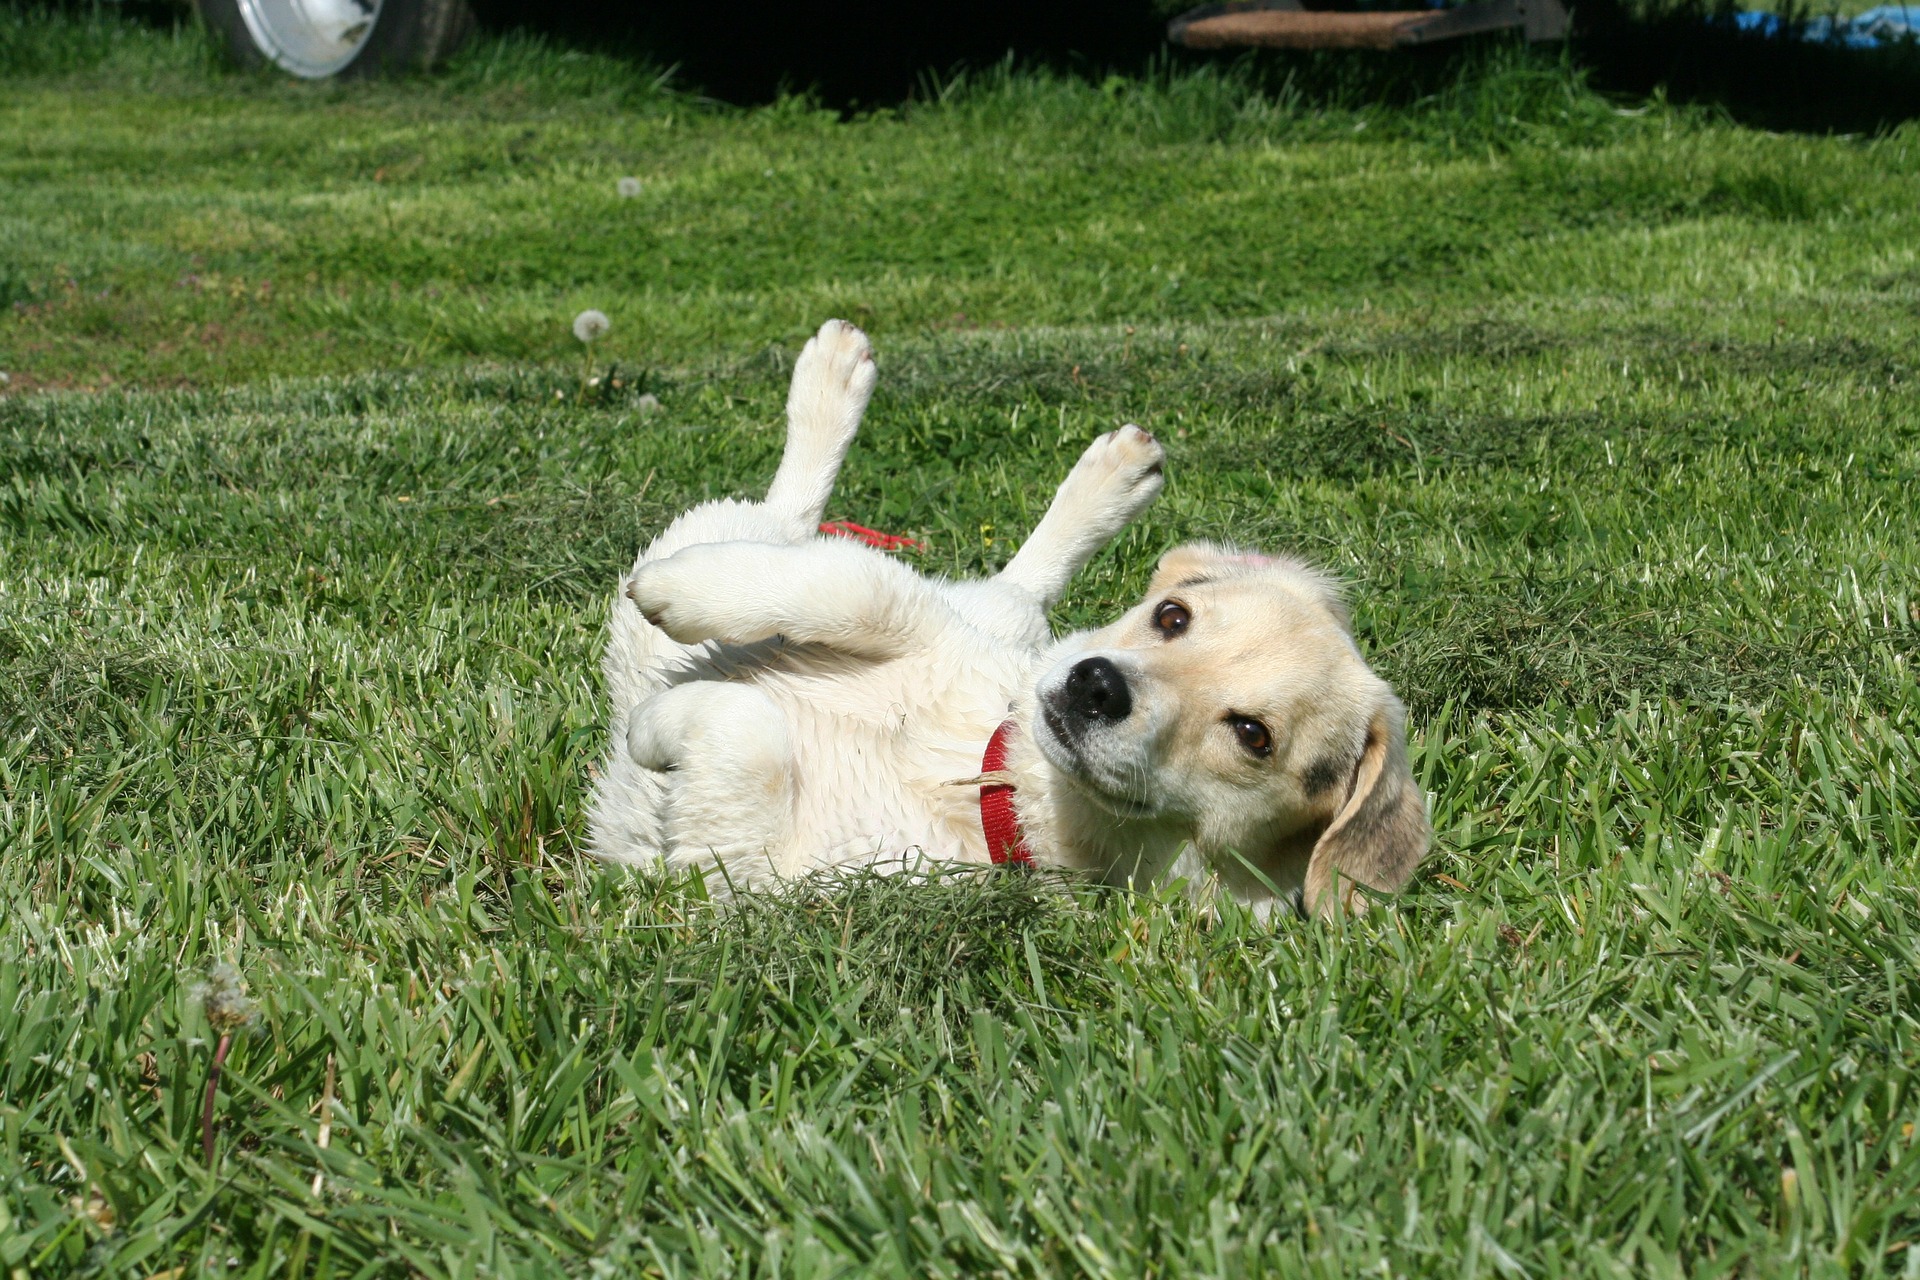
[{"x": 310, "y": 38}]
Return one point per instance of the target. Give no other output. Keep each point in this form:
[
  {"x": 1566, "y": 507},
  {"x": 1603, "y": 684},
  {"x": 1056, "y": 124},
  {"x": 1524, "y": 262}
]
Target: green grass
[{"x": 1610, "y": 419}]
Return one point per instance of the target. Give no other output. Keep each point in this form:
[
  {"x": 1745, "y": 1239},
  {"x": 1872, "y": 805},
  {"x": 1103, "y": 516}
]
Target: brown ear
[{"x": 1382, "y": 832}]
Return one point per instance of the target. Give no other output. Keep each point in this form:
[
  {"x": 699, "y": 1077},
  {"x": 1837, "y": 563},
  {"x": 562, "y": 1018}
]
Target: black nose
[{"x": 1096, "y": 693}]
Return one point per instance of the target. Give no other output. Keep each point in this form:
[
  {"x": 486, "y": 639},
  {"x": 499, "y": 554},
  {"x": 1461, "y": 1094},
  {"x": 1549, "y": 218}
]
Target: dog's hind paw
[
  {"x": 649, "y": 747},
  {"x": 832, "y": 382}
]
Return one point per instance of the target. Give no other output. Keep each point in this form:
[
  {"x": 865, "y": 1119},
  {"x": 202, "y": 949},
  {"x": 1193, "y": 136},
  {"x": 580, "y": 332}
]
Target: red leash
[
  {"x": 872, "y": 537},
  {"x": 1005, "y": 845}
]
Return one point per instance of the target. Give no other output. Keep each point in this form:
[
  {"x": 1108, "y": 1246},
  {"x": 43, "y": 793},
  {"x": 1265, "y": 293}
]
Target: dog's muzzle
[{"x": 1094, "y": 694}]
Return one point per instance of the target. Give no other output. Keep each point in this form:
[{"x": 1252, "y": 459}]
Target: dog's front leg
[
  {"x": 1116, "y": 479},
  {"x": 837, "y": 594}
]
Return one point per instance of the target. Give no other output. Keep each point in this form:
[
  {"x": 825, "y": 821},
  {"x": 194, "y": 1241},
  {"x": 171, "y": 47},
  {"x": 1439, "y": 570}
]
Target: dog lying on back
[{"x": 784, "y": 703}]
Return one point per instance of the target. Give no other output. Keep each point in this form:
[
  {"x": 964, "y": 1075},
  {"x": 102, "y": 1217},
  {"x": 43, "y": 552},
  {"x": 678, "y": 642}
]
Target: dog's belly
[{"x": 874, "y": 762}]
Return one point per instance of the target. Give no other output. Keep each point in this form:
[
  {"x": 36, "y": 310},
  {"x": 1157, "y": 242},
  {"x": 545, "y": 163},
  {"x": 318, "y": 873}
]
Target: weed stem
[{"x": 213, "y": 1087}]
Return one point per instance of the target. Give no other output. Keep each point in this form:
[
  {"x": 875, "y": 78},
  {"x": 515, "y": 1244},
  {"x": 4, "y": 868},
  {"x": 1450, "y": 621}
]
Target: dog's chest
[{"x": 882, "y": 755}]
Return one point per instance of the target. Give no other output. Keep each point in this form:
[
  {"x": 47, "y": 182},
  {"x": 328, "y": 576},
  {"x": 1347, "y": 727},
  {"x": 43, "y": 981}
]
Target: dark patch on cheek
[{"x": 1323, "y": 775}]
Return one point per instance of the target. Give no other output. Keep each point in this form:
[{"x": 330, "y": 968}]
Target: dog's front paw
[
  {"x": 1120, "y": 474},
  {"x": 670, "y": 594}
]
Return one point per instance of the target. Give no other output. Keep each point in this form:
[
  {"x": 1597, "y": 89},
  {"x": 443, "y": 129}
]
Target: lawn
[{"x": 1608, "y": 412}]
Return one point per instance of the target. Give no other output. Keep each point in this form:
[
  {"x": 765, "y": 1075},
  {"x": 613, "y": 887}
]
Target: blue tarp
[{"x": 1889, "y": 24}]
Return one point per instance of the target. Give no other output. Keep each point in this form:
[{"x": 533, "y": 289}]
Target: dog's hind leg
[
  {"x": 725, "y": 758},
  {"x": 832, "y": 382}
]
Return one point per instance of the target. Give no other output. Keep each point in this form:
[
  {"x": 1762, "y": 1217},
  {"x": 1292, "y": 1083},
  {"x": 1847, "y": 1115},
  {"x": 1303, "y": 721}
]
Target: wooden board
[
  {"x": 1301, "y": 29},
  {"x": 1283, "y": 24}
]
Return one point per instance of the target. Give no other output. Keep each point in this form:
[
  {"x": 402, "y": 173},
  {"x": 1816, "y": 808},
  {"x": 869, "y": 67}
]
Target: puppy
[{"x": 784, "y": 703}]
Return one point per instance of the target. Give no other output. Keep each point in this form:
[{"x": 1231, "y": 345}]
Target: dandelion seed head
[
  {"x": 224, "y": 996},
  {"x": 94, "y": 1208},
  {"x": 628, "y": 188},
  {"x": 591, "y": 326}
]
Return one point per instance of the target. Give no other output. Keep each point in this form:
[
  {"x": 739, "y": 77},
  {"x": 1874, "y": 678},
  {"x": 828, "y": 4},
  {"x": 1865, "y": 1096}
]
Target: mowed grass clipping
[{"x": 1610, "y": 421}]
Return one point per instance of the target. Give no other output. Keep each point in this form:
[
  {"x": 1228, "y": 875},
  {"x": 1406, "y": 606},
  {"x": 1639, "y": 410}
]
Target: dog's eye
[
  {"x": 1252, "y": 734},
  {"x": 1172, "y": 618}
]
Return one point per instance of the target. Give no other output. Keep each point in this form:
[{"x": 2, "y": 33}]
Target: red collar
[{"x": 1005, "y": 845}]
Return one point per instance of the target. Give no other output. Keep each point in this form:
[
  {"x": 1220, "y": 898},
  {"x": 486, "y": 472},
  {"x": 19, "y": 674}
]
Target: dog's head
[{"x": 1233, "y": 702}]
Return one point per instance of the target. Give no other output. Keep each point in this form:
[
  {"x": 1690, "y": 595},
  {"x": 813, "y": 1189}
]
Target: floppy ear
[{"x": 1381, "y": 833}]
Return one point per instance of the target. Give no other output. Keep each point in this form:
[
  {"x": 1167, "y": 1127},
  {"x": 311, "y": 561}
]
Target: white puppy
[{"x": 784, "y": 703}]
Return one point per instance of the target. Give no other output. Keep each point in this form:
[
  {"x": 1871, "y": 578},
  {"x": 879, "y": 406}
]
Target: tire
[{"x": 318, "y": 39}]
